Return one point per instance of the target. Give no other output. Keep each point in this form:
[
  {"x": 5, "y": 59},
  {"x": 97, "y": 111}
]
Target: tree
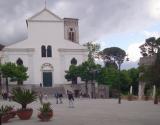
[
  {"x": 87, "y": 72},
  {"x": 125, "y": 81},
  {"x": 114, "y": 55},
  {"x": 149, "y": 48},
  {"x": 20, "y": 74},
  {"x": 111, "y": 64},
  {"x": 134, "y": 76},
  {"x": 7, "y": 71},
  {"x": 93, "y": 49},
  {"x": 110, "y": 76},
  {"x": 13, "y": 71},
  {"x": 72, "y": 74}
]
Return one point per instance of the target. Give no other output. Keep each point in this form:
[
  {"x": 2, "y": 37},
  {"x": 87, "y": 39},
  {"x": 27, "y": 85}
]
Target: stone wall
[
  {"x": 148, "y": 60},
  {"x": 101, "y": 91}
]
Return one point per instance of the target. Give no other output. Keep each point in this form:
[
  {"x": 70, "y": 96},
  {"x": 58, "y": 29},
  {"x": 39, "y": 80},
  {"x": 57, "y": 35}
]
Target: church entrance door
[{"x": 47, "y": 79}]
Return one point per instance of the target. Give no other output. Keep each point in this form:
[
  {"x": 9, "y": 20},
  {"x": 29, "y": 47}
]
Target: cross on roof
[{"x": 45, "y": 3}]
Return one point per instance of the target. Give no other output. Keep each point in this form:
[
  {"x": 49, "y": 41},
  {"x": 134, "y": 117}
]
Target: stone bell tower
[{"x": 71, "y": 29}]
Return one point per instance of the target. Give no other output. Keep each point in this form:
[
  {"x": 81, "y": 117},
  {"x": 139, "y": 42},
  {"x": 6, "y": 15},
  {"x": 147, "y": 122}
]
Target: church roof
[{"x": 39, "y": 16}]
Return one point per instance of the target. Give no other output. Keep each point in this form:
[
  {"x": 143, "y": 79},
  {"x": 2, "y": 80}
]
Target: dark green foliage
[
  {"x": 87, "y": 71},
  {"x": 113, "y": 55},
  {"x": 110, "y": 76},
  {"x": 134, "y": 76},
  {"x": 20, "y": 74},
  {"x": 125, "y": 81},
  {"x": 23, "y": 96},
  {"x": 15, "y": 72},
  {"x": 72, "y": 74},
  {"x": 86, "y": 68},
  {"x": 111, "y": 64},
  {"x": 8, "y": 69}
]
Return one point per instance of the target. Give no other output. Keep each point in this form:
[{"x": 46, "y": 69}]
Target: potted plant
[
  {"x": 24, "y": 97},
  {"x": 11, "y": 111},
  {"x": 147, "y": 95},
  {"x": 46, "y": 112},
  {"x": 4, "y": 115},
  {"x": 130, "y": 97}
]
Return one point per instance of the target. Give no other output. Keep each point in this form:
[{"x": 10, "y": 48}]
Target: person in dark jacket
[
  {"x": 60, "y": 98},
  {"x": 71, "y": 99},
  {"x": 57, "y": 97}
]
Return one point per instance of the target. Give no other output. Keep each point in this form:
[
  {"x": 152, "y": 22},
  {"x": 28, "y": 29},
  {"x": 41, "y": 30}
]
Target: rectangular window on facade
[{"x": 49, "y": 51}]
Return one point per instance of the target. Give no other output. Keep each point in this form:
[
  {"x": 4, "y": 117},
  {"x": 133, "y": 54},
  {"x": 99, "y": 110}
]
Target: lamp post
[
  {"x": 0, "y": 77},
  {"x": 92, "y": 83},
  {"x": 120, "y": 61},
  {"x": 0, "y": 118},
  {"x": 119, "y": 86},
  {"x": 0, "y": 83},
  {"x": 93, "y": 89}
]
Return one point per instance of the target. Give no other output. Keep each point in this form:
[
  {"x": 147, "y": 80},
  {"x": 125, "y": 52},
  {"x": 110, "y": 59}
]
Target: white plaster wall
[
  {"x": 66, "y": 58},
  {"x": 27, "y": 62}
]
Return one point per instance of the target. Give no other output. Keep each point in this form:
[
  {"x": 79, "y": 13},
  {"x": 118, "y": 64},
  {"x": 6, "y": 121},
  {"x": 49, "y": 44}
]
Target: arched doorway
[{"x": 47, "y": 75}]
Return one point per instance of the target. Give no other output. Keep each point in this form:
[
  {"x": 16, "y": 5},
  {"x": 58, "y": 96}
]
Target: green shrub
[
  {"x": 46, "y": 107},
  {"x": 23, "y": 96}
]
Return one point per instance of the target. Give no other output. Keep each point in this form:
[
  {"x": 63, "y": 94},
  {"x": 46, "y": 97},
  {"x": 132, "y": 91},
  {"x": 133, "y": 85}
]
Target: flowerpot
[
  {"x": 25, "y": 114},
  {"x": 12, "y": 114},
  {"x": 5, "y": 118},
  {"x": 130, "y": 98},
  {"x": 45, "y": 116},
  {"x": 146, "y": 98},
  {"x": 156, "y": 100}
]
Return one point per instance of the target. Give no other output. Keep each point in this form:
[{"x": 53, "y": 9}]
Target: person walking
[
  {"x": 40, "y": 97},
  {"x": 9, "y": 96},
  {"x": 56, "y": 96},
  {"x": 45, "y": 97},
  {"x": 71, "y": 99},
  {"x": 60, "y": 98}
]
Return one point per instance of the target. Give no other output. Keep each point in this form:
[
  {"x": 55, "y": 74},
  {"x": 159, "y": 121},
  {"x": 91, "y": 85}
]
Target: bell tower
[{"x": 71, "y": 29}]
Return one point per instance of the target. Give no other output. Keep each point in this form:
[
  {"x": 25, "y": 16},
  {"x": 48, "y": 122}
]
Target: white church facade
[{"x": 51, "y": 45}]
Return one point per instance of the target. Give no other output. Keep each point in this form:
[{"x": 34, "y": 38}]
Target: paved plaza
[{"x": 96, "y": 112}]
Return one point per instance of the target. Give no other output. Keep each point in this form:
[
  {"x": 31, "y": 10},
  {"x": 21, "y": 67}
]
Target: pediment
[{"x": 45, "y": 15}]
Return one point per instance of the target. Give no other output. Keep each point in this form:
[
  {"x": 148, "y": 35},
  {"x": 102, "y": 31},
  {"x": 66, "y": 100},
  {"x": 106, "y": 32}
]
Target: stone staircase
[{"x": 50, "y": 91}]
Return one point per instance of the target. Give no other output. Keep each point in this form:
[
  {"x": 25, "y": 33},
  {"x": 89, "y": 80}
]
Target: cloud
[
  {"x": 151, "y": 34},
  {"x": 154, "y": 9},
  {"x": 129, "y": 65},
  {"x": 133, "y": 51},
  {"x": 97, "y": 18}
]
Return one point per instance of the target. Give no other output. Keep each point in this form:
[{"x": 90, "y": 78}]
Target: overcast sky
[{"x": 122, "y": 23}]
